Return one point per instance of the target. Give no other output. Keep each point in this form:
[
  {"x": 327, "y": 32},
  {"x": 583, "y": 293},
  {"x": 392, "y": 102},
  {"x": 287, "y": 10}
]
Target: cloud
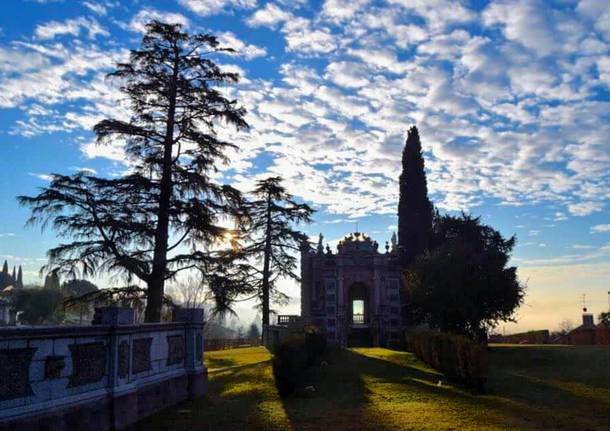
[
  {"x": 600, "y": 228},
  {"x": 17, "y": 61},
  {"x": 143, "y": 17},
  {"x": 585, "y": 208},
  {"x": 212, "y": 7},
  {"x": 96, "y": 7},
  {"x": 269, "y": 16},
  {"x": 7, "y": 234},
  {"x": 228, "y": 39},
  {"x": 72, "y": 27},
  {"x": 44, "y": 177}
]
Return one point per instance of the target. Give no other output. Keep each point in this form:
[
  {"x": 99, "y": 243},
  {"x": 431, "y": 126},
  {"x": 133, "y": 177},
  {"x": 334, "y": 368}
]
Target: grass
[{"x": 530, "y": 387}]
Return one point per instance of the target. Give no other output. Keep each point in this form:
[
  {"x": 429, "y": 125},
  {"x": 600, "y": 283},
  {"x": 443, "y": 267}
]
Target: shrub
[
  {"x": 315, "y": 344},
  {"x": 456, "y": 356},
  {"x": 292, "y": 356}
]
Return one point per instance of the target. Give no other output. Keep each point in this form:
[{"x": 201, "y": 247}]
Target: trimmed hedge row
[
  {"x": 292, "y": 356},
  {"x": 456, "y": 356}
]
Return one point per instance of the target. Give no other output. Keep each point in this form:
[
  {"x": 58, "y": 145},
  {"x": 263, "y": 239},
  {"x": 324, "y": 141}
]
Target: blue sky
[{"x": 512, "y": 100}]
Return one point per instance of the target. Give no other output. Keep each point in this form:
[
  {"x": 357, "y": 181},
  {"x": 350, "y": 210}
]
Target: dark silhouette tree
[
  {"x": 5, "y": 267},
  {"x": 20, "y": 278},
  {"x": 253, "y": 331},
  {"x": 39, "y": 305},
  {"x": 273, "y": 242},
  {"x": 415, "y": 211},
  {"x": 463, "y": 284},
  {"x": 125, "y": 224},
  {"x": 51, "y": 281}
]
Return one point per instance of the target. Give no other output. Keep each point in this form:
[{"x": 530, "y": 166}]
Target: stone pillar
[
  {"x": 197, "y": 373},
  {"x": 124, "y": 403}
]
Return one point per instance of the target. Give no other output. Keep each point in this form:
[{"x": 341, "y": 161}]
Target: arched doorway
[{"x": 358, "y": 319}]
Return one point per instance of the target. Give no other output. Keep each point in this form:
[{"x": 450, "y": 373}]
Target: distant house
[
  {"x": 7, "y": 311},
  {"x": 588, "y": 333}
]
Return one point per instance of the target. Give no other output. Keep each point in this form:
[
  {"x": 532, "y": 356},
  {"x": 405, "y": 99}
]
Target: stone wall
[{"x": 99, "y": 377}]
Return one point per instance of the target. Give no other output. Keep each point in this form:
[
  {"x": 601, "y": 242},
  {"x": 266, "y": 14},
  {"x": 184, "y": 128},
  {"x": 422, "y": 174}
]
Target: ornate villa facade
[{"x": 352, "y": 294}]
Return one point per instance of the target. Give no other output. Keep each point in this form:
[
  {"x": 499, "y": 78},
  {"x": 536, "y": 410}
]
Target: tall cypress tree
[
  {"x": 20, "y": 278},
  {"x": 414, "y": 208}
]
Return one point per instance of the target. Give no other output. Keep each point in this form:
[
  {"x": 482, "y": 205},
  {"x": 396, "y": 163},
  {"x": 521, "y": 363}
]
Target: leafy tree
[
  {"x": 76, "y": 287},
  {"x": 273, "y": 242},
  {"x": 463, "y": 284},
  {"x": 565, "y": 326},
  {"x": 253, "y": 331},
  {"x": 124, "y": 224},
  {"x": 39, "y": 305},
  {"x": 74, "y": 290},
  {"x": 415, "y": 211},
  {"x": 51, "y": 281}
]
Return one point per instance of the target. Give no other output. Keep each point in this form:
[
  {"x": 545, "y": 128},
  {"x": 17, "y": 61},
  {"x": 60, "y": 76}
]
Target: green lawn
[{"x": 534, "y": 387}]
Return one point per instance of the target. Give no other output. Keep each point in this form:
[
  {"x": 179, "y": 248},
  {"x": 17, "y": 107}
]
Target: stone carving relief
[
  {"x": 53, "y": 366},
  {"x": 123, "y": 368},
  {"x": 140, "y": 360},
  {"x": 88, "y": 363},
  {"x": 175, "y": 349},
  {"x": 15, "y": 373}
]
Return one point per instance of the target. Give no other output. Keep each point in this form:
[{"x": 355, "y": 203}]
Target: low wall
[{"x": 99, "y": 377}]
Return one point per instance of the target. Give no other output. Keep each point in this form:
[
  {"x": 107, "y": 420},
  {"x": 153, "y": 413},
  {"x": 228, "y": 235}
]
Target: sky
[{"x": 511, "y": 98}]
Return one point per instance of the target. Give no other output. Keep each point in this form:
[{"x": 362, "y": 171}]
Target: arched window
[
  {"x": 358, "y": 311},
  {"x": 358, "y": 304}
]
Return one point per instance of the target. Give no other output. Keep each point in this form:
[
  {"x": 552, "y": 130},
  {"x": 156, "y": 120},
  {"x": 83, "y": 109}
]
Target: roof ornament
[{"x": 320, "y": 247}]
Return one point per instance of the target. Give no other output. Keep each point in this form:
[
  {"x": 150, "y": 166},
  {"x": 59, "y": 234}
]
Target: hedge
[
  {"x": 292, "y": 356},
  {"x": 456, "y": 356}
]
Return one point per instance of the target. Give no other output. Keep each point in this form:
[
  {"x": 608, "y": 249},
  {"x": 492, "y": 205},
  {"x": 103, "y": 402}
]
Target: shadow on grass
[
  {"x": 216, "y": 362},
  {"x": 397, "y": 391},
  {"x": 379, "y": 389}
]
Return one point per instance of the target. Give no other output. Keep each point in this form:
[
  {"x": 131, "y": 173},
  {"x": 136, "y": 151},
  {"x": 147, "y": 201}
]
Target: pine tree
[
  {"x": 5, "y": 267},
  {"x": 14, "y": 273},
  {"x": 274, "y": 243},
  {"x": 414, "y": 208},
  {"x": 125, "y": 224}
]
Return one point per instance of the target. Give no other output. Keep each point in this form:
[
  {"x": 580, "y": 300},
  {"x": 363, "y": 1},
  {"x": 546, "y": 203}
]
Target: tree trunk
[
  {"x": 266, "y": 269},
  {"x": 157, "y": 277}
]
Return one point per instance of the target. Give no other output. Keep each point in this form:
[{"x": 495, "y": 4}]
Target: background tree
[
  {"x": 125, "y": 224},
  {"x": 5, "y": 277},
  {"x": 273, "y": 242},
  {"x": 253, "y": 331},
  {"x": 74, "y": 289},
  {"x": 463, "y": 284},
  {"x": 39, "y": 305},
  {"x": 51, "y": 281},
  {"x": 415, "y": 211},
  {"x": 604, "y": 317},
  {"x": 565, "y": 326}
]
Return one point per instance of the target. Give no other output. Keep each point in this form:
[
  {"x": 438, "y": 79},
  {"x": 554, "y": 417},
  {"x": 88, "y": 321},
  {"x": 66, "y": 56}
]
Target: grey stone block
[{"x": 189, "y": 315}]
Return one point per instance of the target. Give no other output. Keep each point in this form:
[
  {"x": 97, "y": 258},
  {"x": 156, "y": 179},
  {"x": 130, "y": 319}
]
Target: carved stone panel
[
  {"x": 141, "y": 355},
  {"x": 175, "y": 349},
  {"x": 53, "y": 365},
  {"x": 88, "y": 363},
  {"x": 199, "y": 347},
  {"x": 123, "y": 369},
  {"x": 15, "y": 373}
]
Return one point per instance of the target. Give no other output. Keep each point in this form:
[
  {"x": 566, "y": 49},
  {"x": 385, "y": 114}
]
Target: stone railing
[{"x": 99, "y": 377}]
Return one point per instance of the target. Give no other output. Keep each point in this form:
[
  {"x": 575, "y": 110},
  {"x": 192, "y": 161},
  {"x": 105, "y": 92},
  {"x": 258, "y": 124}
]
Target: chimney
[{"x": 587, "y": 319}]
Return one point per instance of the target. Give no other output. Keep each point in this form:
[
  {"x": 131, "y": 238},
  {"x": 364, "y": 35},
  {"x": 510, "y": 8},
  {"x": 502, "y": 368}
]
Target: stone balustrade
[{"x": 99, "y": 377}]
